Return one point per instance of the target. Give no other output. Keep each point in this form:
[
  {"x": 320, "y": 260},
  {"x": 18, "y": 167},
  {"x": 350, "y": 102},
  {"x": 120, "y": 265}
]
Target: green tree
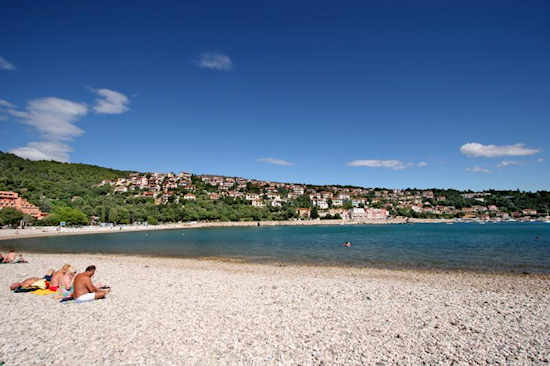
[
  {"x": 69, "y": 215},
  {"x": 10, "y": 216},
  {"x": 314, "y": 213}
]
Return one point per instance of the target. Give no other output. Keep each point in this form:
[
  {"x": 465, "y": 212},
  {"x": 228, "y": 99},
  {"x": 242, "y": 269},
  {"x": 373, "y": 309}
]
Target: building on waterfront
[
  {"x": 12, "y": 199},
  {"x": 377, "y": 213}
]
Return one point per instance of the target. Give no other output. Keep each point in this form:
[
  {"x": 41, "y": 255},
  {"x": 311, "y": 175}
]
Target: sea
[{"x": 493, "y": 247}]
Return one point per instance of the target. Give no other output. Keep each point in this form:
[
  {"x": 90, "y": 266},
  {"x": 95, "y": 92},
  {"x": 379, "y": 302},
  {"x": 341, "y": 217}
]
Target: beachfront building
[
  {"x": 303, "y": 212},
  {"x": 377, "y": 213},
  {"x": 358, "y": 213},
  {"x": 12, "y": 199}
]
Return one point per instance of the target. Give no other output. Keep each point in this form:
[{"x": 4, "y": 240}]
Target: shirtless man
[
  {"x": 10, "y": 257},
  {"x": 25, "y": 283},
  {"x": 29, "y": 281},
  {"x": 84, "y": 289}
]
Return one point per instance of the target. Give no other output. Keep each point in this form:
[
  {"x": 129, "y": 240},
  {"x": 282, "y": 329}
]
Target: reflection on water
[{"x": 503, "y": 246}]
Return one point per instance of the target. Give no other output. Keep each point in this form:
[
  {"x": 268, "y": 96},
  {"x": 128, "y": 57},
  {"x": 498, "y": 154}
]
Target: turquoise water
[{"x": 492, "y": 247}]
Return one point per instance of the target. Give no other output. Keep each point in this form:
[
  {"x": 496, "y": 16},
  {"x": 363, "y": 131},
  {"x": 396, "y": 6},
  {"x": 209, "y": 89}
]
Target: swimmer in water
[{"x": 347, "y": 244}]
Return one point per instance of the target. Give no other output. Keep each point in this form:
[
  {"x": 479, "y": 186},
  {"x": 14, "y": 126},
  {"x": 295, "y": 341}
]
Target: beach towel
[
  {"x": 42, "y": 292},
  {"x": 42, "y": 284},
  {"x": 25, "y": 289}
]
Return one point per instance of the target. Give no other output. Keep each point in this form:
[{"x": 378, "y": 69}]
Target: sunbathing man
[
  {"x": 84, "y": 289},
  {"x": 29, "y": 281},
  {"x": 57, "y": 277},
  {"x": 10, "y": 257},
  {"x": 25, "y": 283}
]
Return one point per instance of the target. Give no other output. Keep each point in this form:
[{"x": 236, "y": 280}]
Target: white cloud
[
  {"x": 475, "y": 149},
  {"x": 111, "y": 102},
  {"x": 540, "y": 160},
  {"x": 5, "y": 104},
  {"x": 18, "y": 114},
  {"x": 53, "y": 117},
  {"x": 275, "y": 161},
  {"x": 5, "y": 65},
  {"x": 477, "y": 169},
  {"x": 506, "y": 163},
  {"x": 215, "y": 61},
  {"x": 391, "y": 164},
  {"x": 45, "y": 150}
]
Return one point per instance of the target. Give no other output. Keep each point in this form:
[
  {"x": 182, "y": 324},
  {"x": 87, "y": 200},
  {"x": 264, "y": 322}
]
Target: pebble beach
[{"x": 164, "y": 311}]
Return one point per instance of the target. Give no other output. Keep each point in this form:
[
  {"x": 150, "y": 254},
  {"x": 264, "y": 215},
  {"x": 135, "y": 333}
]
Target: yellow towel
[
  {"x": 43, "y": 292},
  {"x": 40, "y": 283}
]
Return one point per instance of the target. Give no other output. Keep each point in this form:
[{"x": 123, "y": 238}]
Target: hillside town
[
  {"x": 332, "y": 201},
  {"x": 13, "y": 200}
]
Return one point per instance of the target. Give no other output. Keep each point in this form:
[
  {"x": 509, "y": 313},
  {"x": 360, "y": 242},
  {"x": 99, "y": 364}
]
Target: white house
[
  {"x": 322, "y": 204},
  {"x": 357, "y": 213},
  {"x": 252, "y": 197}
]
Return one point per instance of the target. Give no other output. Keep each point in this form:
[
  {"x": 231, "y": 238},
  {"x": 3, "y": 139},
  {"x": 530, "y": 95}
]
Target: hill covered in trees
[
  {"x": 42, "y": 182},
  {"x": 69, "y": 192}
]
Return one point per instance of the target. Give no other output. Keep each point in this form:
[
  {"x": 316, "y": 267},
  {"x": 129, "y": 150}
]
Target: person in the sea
[
  {"x": 347, "y": 244},
  {"x": 57, "y": 277},
  {"x": 84, "y": 289}
]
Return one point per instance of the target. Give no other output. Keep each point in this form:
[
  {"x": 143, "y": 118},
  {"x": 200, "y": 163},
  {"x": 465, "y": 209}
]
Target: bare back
[
  {"x": 56, "y": 279},
  {"x": 10, "y": 257},
  {"x": 82, "y": 285}
]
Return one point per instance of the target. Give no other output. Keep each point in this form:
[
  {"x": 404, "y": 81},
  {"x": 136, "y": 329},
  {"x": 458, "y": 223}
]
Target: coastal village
[
  {"x": 332, "y": 201},
  {"x": 306, "y": 201}
]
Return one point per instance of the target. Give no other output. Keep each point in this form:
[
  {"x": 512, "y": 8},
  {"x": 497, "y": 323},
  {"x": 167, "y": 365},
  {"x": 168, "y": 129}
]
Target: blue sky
[{"x": 398, "y": 94}]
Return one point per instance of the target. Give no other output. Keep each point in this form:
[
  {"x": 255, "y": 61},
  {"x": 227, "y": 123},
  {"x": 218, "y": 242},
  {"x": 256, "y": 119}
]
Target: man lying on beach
[
  {"x": 28, "y": 282},
  {"x": 10, "y": 257},
  {"x": 83, "y": 288}
]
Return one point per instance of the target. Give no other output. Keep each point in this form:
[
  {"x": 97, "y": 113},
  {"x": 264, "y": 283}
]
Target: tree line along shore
[{"x": 54, "y": 193}]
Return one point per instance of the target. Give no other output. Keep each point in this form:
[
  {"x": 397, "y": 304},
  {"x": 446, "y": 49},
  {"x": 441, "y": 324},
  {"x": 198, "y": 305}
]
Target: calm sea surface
[{"x": 490, "y": 247}]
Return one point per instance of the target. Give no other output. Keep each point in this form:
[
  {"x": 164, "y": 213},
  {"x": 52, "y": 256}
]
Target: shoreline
[
  {"x": 389, "y": 267},
  {"x": 42, "y": 231},
  {"x": 212, "y": 312}
]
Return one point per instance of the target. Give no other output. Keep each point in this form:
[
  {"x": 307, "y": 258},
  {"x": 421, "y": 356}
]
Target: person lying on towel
[
  {"x": 83, "y": 288},
  {"x": 28, "y": 282}
]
